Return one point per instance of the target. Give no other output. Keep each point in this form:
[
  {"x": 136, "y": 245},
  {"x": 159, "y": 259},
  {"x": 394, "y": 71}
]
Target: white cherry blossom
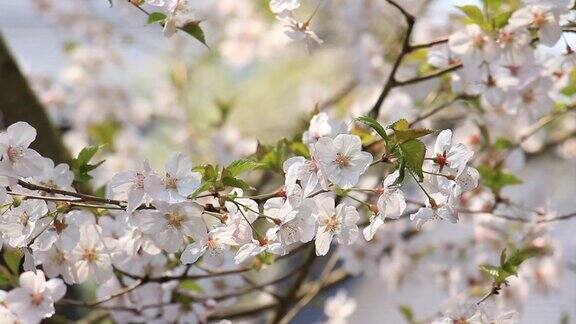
[
  {"x": 391, "y": 204},
  {"x": 17, "y": 158},
  {"x": 339, "y": 222},
  {"x": 342, "y": 159},
  {"x": 34, "y": 299},
  {"x": 177, "y": 183}
]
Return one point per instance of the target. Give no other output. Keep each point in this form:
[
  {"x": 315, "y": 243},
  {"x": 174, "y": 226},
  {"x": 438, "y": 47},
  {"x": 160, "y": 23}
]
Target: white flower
[
  {"x": 132, "y": 183},
  {"x": 63, "y": 229},
  {"x": 532, "y": 99},
  {"x": 178, "y": 182},
  {"x": 543, "y": 17},
  {"x": 339, "y": 307},
  {"x": 18, "y": 224},
  {"x": 339, "y": 222},
  {"x": 391, "y": 204},
  {"x": 473, "y": 45},
  {"x": 293, "y": 220},
  {"x": 92, "y": 255},
  {"x": 17, "y": 158},
  {"x": 58, "y": 261},
  {"x": 297, "y": 168},
  {"x": 211, "y": 246},
  {"x": 59, "y": 177},
  {"x": 322, "y": 125},
  {"x": 441, "y": 207},
  {"x": 455, "y": 156},
  {"x": 342, "y": 159},
  {"x": 298, "y": 31},
  {"x": 34, "y": 299},
  {"x": 240, "y": 216},
  {"x": 277, "y": 6},
  {"x": 265, "y": 244},
  {"x": 514, "y": 44},
  {"x": 171, "y": 224}
]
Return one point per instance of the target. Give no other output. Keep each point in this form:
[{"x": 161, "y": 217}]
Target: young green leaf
[
  {"x": 473, "y": 13},
  {"x": 371, "y": 122},
  {"x": 190, "y": 285},
  {"x": 193, "y": 29},
  {"x": 240, "y": 166},
  {"x": 497, "y": 179},
  {"x": 413, "y": 153},
  {"x": 12, "y": 259},
  {"x": 156, "y": 17}
]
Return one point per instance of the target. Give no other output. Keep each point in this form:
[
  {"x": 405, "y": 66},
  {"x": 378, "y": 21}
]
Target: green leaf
[
  {"x": 190, "y": 285},
  {"x": 474, "y": 14},
  {"x": 403, "y": 132},
  {"x": 407, "y": 313},
  {"x": 193, "y": 29},
  {"x": 413, "y": 153},
  {"x": 156, "y": 17},
  {"x": 272, "y": 157},
  {"x": 371, "y": 122},
  {"x": 299, "y": 148},
  {"x": 492, "y": 271},
  {"x": 86, "y": 154},
  {"x": 502, "y": 144},
  {"x": 240, "y": 166},
  {"x": 81, "y": 165},
  {"x": 497, "y": 179},
  {"x": 509, "y": 264},
  {"x": 501, "y": 20},
  {"x": 13, "y": 258},
  {"x": 230, "y": 181},
  {"x": 400, "y": 125}
]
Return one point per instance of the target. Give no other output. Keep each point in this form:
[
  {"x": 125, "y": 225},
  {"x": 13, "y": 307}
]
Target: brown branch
[
  {"x": 391, "y": 82},
  {"x": 284, "y": 305},
  {"x": 426, "y": 77}
]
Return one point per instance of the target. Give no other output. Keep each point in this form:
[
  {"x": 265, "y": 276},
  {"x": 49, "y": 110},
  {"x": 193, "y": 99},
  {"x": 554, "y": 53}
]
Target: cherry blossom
[
  {"x": 342, "y": 159},
  {"x": 391, "y": 204},
  {"x": 17, "y": 158},
  {"x": 35, "y": 298},
  {"x": 177, "y": 183},
  {"x": 339, "y": 222}
]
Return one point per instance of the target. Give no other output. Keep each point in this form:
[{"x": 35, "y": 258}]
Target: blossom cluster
[{"x": 183, "y": 242}]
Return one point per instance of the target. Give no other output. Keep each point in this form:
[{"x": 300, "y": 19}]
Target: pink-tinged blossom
[
  {"x": 391, "y": 204},
  {"x": 17, "y": 159},
  {"x": 34, "y": 299}
]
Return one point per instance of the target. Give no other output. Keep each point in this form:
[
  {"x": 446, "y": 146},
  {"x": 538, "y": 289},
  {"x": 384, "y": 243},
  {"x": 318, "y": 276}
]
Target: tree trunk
[{"x": 19, "y": 103}]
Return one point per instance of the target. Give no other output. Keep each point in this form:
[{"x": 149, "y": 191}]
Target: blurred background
[{"x": 108, "y": 78}]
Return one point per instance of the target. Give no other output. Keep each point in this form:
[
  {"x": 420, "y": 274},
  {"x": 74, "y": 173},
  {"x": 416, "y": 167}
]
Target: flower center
[
  {"x": 529, "y": 96},
  {"x": 312, "y": 167},
  {"x": 36, "y": 298},
  {"x": 13, "y": 153},
  {"x": 539, "y": 19},
  {"x": 24, "y": 217},
  {"x": 89, "y": 255},
  {"x": 478, "y": 41},
  {"x": 212, "y": 244},
  {"x": 441, "y": 160},
  {"x": 333, "y": 224},
  {"x": 59, "y": 226},
  {"x": 59, "y": 257},
  {"x": 139, "y": 180},
  {"x": 170, "y": 182},
  {"x": 342, "y": 160},
  {"x": 174, "y": 219}
]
